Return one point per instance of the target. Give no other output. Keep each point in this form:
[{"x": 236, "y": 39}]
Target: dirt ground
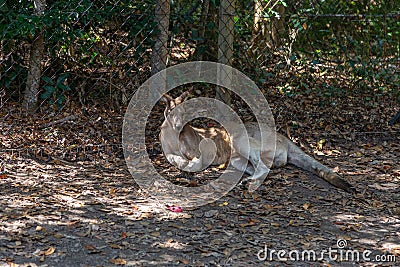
[{"x": 62, "y": 205}]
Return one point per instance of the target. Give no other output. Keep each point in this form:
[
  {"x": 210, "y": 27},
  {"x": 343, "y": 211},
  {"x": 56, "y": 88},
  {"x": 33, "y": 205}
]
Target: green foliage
[
  {"x": 55, "y": 91},
  {"x": 17, "y": 20},
  {"x": 79, "y": 34},
  {"x": 361, "y": 39}
]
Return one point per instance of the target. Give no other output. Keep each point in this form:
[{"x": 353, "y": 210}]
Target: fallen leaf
[
  {"x": 118, "y": 261},
  {"x": 112, "y": 191},
  {"x": 321, "y": 144},
  {"x": 49, "y": 251},
  {"x": 115, "y": 246},
  {"x": 193, "y": 183},
  {"x": 185, "y": 261},
  {"x": 222, "y": 166},
  {"x": 90, "y": 247},
  {"x": 155, "y": 234},
  {"x": 58, "y": 235}
]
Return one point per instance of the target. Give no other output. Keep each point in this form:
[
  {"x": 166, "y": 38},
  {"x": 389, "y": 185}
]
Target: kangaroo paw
[{"x": 252, "y": 183}]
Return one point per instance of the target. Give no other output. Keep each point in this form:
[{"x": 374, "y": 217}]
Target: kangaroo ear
[
  {"x": 166, "y": 98},
  {"x": 183, "y": 96}
]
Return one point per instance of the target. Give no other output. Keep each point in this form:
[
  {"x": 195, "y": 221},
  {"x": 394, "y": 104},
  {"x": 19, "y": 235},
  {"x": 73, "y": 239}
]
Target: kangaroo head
[{"x": 171, "y": 103}]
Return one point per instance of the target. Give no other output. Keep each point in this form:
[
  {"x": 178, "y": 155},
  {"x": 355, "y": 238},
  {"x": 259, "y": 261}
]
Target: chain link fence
[
  {"x": 91, "y": 56},
  {"x": 75, "y": 64}
]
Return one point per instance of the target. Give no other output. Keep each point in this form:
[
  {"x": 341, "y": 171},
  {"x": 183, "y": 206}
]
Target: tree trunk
[
  {"x": 160, "y": 51},
  {"x": 278, "y": 26},
  {"x": 203, "y": 24},
  {"x": 258, "y": 18},
  {"x": 268, "y": 30},
  {"x": 225, "y": 46},
  {"x": 35, "y": 69}
]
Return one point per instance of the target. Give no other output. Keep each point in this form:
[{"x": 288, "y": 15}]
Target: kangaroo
[{"x": 192, "y": 150}]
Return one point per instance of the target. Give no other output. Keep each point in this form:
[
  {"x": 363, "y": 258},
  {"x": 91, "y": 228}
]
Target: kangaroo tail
[{"x": 297, "y": 157}]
